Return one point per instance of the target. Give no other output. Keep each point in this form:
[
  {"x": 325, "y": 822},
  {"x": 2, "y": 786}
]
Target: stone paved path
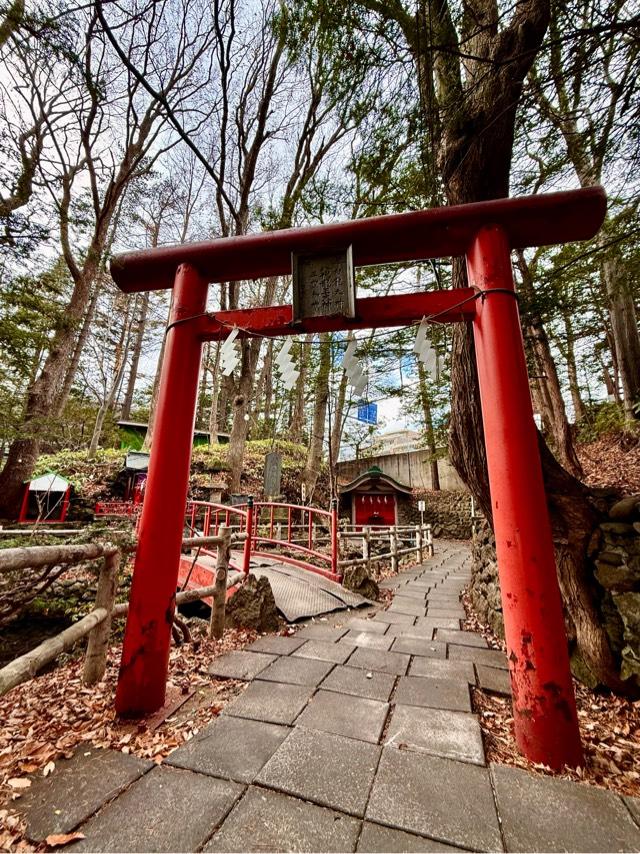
[{"x": 357, "y": 737}]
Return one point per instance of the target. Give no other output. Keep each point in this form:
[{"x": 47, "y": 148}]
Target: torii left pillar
[{"x": 145, "y": 654}]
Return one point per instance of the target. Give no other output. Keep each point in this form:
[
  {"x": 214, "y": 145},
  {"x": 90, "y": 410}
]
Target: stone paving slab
[
  {"x": 297, "y": 671},
  {"x": 167, "y": 810},
  {"x": 447, "y": 613},
  {"x": 371, "y": 626},
  {"x": 494, "y": 679},
  {"x": 393, "y": 618},
  {"x": 270, "y": 821},
  {"x": 276, "y": 644},
  {"x": 423, "y": 631},
  {"x": 434, "y": 693},
  {"x": 411, "y": 595},
  {"x": 326, "y": 769},
  {"x": 368, "y": 639},
  {"x": 272, "y": 702},
  {"x": 230, "y": 747},
  {"x": 439, "y": 622},
  {"x": 377, "y": 838},
  {"x": 453, "y": 735},
  {"x": 439, "y": 798},
  {"x": 419, "y": 646},
  {"x": 240, "y": 665},
  {"x": 460, "y": 637},
  {"x": 443, "y": 668},
  {"x": 317, "y": 631},
  {"x": 490, "y": 657},
  {"x": 408, "y": 608},
  {"x": 338, "y": 653},
  {"x": 80, "y": 786},
  {"x": 360, "y": 683},
  {"x": 550, "y": 814},
  {"x": 377, "y": 659},
  {"x": 343, "y": 714},
  {"x": 633, "y": 805}
]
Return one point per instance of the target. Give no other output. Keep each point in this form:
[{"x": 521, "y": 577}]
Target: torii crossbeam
[{"x": 485, "y": 233}]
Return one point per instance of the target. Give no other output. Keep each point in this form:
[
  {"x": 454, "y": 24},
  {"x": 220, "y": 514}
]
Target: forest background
[{"x": 133, "y": 124}]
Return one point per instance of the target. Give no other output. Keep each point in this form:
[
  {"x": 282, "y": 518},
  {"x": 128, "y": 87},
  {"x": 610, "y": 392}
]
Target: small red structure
[
  {"x": 374, "y": 498},
  {"x": 46, "y": 499},
  {"x": 484, "y": 233}
]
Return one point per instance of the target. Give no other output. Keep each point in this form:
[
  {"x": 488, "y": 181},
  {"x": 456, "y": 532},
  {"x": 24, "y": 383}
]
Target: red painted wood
[
  {"x": 398, "y": 310},
  {"x": 375, "y": 509},
  {"x": 545, "y": 718},
  {"x": 434, "y": 233},
  {"x": 145, "y": 654}
]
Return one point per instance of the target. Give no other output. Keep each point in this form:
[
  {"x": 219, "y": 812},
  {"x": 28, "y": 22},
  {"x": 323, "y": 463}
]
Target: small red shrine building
[{"x": 374, "y": 498}]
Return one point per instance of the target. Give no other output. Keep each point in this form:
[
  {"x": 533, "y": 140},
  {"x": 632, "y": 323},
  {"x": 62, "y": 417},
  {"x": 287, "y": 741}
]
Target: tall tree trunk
[
  {"x": 42, "y": 396},
  {"x": 241, "y": 411},
  {"x": 428, "y": 426},
  {"x": 624, "y": 326},
  {"x": 321, "y": 397},
  {"x": 297, "y": 418},
  {"x": 141, "y": 327},
  {"x": 153, "y": 403},
  {"x": 579, "y": 409},
  {"x": 214, "y": 427},
  {"x": 547, "y": 371}
]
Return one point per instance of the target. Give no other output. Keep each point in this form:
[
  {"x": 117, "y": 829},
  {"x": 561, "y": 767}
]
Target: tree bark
[
  {"x": 428, "y": 425},
  {"x": 135, "y": 355},
  {"x": 579, "y": 409},
  {"x": 321, "y": 396}
]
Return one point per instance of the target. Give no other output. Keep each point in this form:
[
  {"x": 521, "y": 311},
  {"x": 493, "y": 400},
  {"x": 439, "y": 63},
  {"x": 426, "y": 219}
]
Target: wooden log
[
  {"x": 95, "y": 661},
  {"x": 186, "y": 596},
  {"x": 27, "y": 665},
  {"x": 393, "y": 548},
  {"x": 216, "y": 626},
  {"x": 35, "y": 556}
]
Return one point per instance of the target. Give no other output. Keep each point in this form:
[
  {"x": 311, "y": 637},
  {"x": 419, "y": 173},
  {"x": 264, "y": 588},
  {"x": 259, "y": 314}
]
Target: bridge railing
[
  {"x": 205, "y": 518},
  {"x": 308, "y": 535}
]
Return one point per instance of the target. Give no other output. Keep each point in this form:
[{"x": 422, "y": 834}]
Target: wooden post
[
  {"x": 216, "y": 627},
  {"x": 393, "y": 544},
  {"x": 418, "y": 544},
  {"x": 429, "y": 538},
  {"x": 279, "y": 531},
  {"x": 366, "y": 548},
  {"x": 95, "y": 661}
]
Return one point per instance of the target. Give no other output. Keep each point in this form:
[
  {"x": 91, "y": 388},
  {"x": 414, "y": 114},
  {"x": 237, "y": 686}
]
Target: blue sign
[{"x": 368, "y": 413}]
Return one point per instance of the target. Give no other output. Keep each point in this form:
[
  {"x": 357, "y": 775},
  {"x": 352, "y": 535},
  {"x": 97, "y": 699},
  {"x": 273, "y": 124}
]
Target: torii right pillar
[{"x": 544, "y": 710}]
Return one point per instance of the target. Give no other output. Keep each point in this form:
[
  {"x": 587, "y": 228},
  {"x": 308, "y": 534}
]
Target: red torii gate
[{"x": 485, "y": 233}]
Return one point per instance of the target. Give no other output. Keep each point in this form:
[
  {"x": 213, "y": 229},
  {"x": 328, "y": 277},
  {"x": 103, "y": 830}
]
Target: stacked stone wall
[
  {"x": 614, "y": 559},
  {"x": 447, "y": 511}
]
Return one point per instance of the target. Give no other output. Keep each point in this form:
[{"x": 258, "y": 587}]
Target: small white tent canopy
[{"x": 46, "y": 498}]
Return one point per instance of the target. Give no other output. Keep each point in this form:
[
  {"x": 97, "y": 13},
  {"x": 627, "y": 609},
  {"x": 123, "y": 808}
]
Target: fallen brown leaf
[{"x": 54, "y": 840}]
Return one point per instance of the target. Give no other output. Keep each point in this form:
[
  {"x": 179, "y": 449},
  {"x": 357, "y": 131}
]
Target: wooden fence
[
  {"x": 422, "y": 544},
  {"x": 97, "y": 624}
]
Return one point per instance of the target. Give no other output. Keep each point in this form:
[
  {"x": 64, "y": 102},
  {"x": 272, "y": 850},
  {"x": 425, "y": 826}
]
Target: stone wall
[
  {"x": 447, "y": 511},
  {"x": 614, "y": 559}
]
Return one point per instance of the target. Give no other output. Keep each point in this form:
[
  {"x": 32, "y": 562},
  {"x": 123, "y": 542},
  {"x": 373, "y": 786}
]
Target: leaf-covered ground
[
  {"x": 612, "y": 460},
  {"x": 609, "y": 726},
  {"x": 45, "y": 719}
]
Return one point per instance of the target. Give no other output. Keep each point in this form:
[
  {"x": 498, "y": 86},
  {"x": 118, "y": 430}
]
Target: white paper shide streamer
[
  {"x": 283, "y": 360},
  {"x": 424, "y": 351},
  {"x": 356, "y": 377},
  {"x": 228, "y": 355}
]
